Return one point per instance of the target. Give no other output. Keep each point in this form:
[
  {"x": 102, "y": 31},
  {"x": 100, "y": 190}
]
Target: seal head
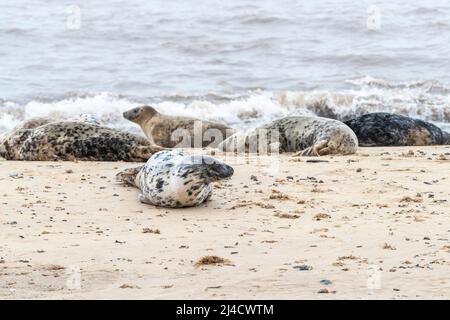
[
  {"x": 205, "y": 167},
  {"x": 140, "y": 115}
]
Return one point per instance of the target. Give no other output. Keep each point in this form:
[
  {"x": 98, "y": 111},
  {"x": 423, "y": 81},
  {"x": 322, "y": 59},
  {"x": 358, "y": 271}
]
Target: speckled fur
[
  {"x": 173, "y": 179},
  {"x": 309, "y": 136},
  {"x": 73, "y": 140},
  {"x": 386, "y": 129},
  {"x": 33, "y": 123},
  {"x": 40, "y": 121},
  {"x": 159, "y": 127}
]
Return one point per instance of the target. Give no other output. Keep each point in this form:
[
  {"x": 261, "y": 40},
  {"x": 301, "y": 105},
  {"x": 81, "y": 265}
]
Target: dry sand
[{"x": 368, "y": 226}]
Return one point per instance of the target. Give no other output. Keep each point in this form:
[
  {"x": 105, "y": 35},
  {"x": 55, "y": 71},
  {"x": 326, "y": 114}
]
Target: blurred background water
[{"x": 240, "y": 62}]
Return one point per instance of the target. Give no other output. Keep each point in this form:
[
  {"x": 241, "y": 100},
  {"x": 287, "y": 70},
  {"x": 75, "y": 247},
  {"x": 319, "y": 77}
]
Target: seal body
[
  {"x": 182, "y": 132},
  {"x": 172, "y": 179},
  {"x": 40, "y": 121},
  {"x": 33, "y": 123},
  {"x": 309, "y": 136},
  {"x": 73, "y": 140},
  {"x": 386, "y": 129}
]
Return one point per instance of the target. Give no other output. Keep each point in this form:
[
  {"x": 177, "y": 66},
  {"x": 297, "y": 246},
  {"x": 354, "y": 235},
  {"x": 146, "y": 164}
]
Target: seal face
[
  {"x": 309, "y": 136},
  {"x": 172, "y": 179},
  {"x": 386, "y": 129},
  {"x": 170, "y": 131},
  {"x": 74, "y": 140}
]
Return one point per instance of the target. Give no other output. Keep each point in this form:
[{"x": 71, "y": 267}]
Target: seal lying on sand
[
  {"x": 73, "y": 140},
  {"x": 309, "y": 136},
  {"x": 171, "y": 131},
  {"x": 385, "y": 129},
  {"x": 172, "y": 179}
]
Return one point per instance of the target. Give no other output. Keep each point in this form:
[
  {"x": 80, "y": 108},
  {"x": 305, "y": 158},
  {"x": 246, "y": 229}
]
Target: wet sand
[{"x": 368, "y": 226}]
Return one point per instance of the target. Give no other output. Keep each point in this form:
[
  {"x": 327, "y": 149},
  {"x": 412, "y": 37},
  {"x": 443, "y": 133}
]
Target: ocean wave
[
  {"x": 430, "y": 86},
  {"x": 108, "y": 108},
  {"x": 427, "y": 100}
]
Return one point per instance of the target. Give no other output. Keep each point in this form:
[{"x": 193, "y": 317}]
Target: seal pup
[
  {"x": 306, "y": 135},
  {"x": 73, "y": 140},
  {"x": 175, "y": 131},
  {"x": 386, "y": 129},
  {"x": 173, "y": 179}
]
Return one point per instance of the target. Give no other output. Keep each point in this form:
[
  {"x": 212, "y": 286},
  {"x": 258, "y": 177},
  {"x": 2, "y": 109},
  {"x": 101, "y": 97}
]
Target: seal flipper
[
  {"x": 129, "y": 175},
  {"x": 318, "y": 149},
  {"x": 144, "y": 153},
  {"x": 308, "y": 152},
  {"x": 209, "y": 196}
]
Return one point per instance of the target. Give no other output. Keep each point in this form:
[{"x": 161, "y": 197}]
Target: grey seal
[
  {"x": 73, "y": 140},
  {"x": 308, "y": 136},
  {"x": 173, "y": 179},
  {"x": 386, "y": 129},
  {"x": 161, "y": 129}
]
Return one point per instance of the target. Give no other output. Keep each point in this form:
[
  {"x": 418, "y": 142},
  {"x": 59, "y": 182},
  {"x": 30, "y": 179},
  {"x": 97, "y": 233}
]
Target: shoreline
[{"x": 368, "y": 226}]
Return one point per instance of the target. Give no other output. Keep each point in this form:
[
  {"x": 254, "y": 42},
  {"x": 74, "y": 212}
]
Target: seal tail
[
  {"x": 129, "y": 175},
  {"x": 143, "y": 153}
]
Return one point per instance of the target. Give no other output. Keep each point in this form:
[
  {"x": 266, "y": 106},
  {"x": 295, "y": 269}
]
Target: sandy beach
[{"x": 368, "y": 226}]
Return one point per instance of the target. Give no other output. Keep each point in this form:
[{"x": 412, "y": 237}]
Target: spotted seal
[
  {"x": 386, "y": 129},
  {"x": 74, "y": 140},
  {"x": 306, "y": 135},
  {"x": 173, "y": 179},
  {"x": 173, "y": 131}
]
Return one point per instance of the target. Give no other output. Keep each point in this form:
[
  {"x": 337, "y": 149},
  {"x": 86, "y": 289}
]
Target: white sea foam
[
  {"x": 108, "y": 108},
  {"x": 418, "y": 99},
  {"x": 427, "y": 100}
]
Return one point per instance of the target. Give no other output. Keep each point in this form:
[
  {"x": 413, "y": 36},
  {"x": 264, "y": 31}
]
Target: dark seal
[{"x": 386, "y": 129}]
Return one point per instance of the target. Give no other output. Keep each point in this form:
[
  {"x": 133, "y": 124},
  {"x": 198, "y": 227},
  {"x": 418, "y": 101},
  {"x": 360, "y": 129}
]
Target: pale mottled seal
[
  {"x": 172, "y": 179},
  {"x": 309, "y": 136},
  {"x": 386, "y": 129},
  {"x": 162, "y": 129},
  {"x": 72, "y": 140}
]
